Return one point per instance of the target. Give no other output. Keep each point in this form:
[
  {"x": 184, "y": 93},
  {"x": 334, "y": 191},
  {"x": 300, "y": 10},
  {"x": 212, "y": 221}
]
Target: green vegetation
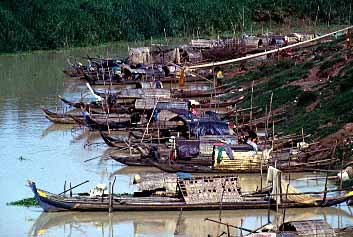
[
  {"x": 41, "y": 24},
  {"x": 323, "y": 108},
  {"x": 27, "y": 202}
]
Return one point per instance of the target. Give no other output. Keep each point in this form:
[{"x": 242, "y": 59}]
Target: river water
[{"x": 31, "y": 147}]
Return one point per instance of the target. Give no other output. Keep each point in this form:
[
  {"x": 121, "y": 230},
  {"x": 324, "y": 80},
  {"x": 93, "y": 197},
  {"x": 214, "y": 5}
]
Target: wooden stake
[
  {"x": 149, "y": 121},
  {"x": 221, "y": 205},
  {"x": 233, "y": 226},
  {"x": 333, "y": 154},
  {"x": 177, "y": 227},
  {"x": 341, "y": 181},
  {"x": 70, "y": 190},
  {"x": 269, "y": 113},
  {"x": 110, "y": 196},
  {"x": 261, "y": 174},
  {"x": 269, "y": 209},
  {"x": 64, "y": 188},
  {"x": 273, "y": 134},
  {"x": 285, "y": 208},
  {"x": 236, "y": 118}
]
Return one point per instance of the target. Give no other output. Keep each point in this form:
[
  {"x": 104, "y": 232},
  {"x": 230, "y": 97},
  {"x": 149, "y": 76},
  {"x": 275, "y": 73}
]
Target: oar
[
  {"x": 74, "y": 187},
  {"x": 109, "y": 153},
  {"x": 234, "y": 226}
]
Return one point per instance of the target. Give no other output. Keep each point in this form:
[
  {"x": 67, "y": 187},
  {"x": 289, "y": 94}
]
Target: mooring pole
[
  {"x": 110, "y": 196},
  {"x": 333, "y": 154},
  {"x": 251, "y": 99}
]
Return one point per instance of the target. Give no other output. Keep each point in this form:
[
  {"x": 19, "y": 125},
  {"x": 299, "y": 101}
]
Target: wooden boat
[
  {"x": 238, "y": 167},
  {"x": 137, "y": 93},
  {"x": 246, "y": 160},
  {"x": 131, "y": 160},
  {"x": 77, "y": 118},
  {"x": 191, "y": 193},
  {"x": 105, "y": 123},
  {"x": 98, "y": 108},
  {"x": 133, "y": 123},
  {"x": 73, "y": 72},
  {"x": 140, "y": 160},
  {"x": 60, "y": 118},
  {"x": 177, "y": 93},
  {"x": 126, "y": 142},
  {"x": 163, "y": 93}
]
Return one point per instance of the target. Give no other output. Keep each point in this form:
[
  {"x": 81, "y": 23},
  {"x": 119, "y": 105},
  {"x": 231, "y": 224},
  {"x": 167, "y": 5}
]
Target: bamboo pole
[
  {"x": 221, "y": 204},
  {"x": 64, "y": 188},
  {"x": 261, "y": 173},
  {"x": 341, "y": 180},
  {"x": 71, "y": 188},
  {"x": 110, "y": 197},
  {"x": 149, "y": 121},
  {"x": 236, "y": 118},
  {"x": 233, "y": 226},
  {"x": 285, "y": 208},
  {"x": 333, "y": 154},
  {"x": 251, "y": 100},
  {"x": 177, "y": 227},
  {"x": 268, "y": 52}
]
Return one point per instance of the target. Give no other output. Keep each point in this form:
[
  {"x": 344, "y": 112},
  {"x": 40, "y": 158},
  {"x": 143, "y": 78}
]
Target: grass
[
  {"x": 26, "y": 202},
  {"x": 335, "y": 96}
]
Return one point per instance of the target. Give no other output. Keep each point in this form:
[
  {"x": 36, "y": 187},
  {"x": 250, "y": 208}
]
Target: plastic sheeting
[
  {"x": 201, "y": 128},
  {"x": 187, "y": 149}
]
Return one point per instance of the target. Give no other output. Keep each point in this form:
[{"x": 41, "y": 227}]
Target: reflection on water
[
  {"x": 173, "y": 223},
  {"x": 54, "y": 154}
]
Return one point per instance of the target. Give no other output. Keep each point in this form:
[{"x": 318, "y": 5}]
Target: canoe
[
  {"x": 59, "y": 118},
  {"x": 105, "y": 124},
  {"x": 77, "y": 118},
  {"x": 191, "y": 193},
  {"x": 178, "y": 93},
  {"x": 124, "y": 142},
  {"x": 135, "y": 160},
  {"x": 237, "y": 167},
  {"x": 98, "y": 108}
]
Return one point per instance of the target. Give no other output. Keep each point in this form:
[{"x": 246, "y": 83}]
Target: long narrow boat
[
  {"x": 241, "y": 158},
  {"x": 105, "y": 124},
  {"x": 60, "y": 118},
  {"x": 177, "y": 93},
  {"x": 96, "y": 107},
  {"x": 135, "y": 160},
  {"x": 163, "y": 93},
  {"x": 195, "y": 193},
  {"x": 77, "y": 118},
  {"x": 238, "y": 167},
  {"x": 123, "y": 141}
]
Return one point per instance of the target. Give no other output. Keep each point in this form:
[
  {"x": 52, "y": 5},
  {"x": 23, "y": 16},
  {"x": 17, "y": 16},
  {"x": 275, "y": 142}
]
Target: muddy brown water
[{"x": 52, "y": 154}]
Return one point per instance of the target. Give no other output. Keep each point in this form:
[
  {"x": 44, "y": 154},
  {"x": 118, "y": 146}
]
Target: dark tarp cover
[
  {"x": 187, "y": 149},
  {"x": 209, "y": 115},
  {"x": 206, "y": 127}
]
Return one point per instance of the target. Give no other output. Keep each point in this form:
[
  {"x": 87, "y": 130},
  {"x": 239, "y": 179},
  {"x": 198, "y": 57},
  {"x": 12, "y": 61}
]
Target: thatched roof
[
  {"x": 210, "y": 189},
  {"x": 318, "y": 228}
]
